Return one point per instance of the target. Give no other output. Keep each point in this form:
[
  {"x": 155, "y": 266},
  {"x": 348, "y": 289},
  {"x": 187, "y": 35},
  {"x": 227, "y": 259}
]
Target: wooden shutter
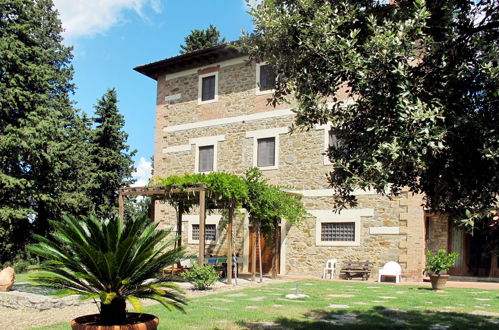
[
  {"x": 208, "y": 88},
  {"x": 266, "y": 152},
  {"x": 206, "y": 158},
  {"x": 267, "y": 78}
]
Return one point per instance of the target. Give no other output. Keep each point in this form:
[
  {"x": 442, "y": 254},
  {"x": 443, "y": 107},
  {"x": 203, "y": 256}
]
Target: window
[
  {"x": 342, "y": 229},
  {"x": 208, "y": 88},
  {"x": 333, "y": 139},
  {"x": 265, "y": 78},
  {"x": 206, "y": 158},
  {"x": 210, "y": 228},
  {"x": 266, "y": 147},
  {"x": 206, "y": 147},
  {"x": 266, "y": 152},
  {"x": 338, "y": 231},
  {"x": 210, "y": 232}
]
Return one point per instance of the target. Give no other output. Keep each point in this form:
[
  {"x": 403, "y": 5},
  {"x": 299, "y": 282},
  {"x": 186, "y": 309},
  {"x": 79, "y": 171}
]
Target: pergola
[{"x": 185, "y": 196}]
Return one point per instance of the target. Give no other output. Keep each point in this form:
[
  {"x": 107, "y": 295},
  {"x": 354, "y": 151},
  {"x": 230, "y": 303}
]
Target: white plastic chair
[
  {"x": 391, "y": 268},
  {"x": 329, "y": 268}
]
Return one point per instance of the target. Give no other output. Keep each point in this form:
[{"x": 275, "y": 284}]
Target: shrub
[
  {"x": 439, "y": 262},
  {"x": 202, "y": 277},
  {"x": 21, "y": 267}
]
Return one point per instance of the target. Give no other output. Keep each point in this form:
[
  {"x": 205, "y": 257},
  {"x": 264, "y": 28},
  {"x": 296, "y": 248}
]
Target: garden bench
[
  {"x": 357, "y": 269},
  {"x": 177, "y": 268}
]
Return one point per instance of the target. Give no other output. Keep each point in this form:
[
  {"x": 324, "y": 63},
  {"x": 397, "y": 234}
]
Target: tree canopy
[
  {"x": 110, "y": 155},
  {"x": 52, "y": 162},
  {"x": 199, "y": 39},
  {"x": 37, "y": 122},
  {"x": 421, "y": 81}
]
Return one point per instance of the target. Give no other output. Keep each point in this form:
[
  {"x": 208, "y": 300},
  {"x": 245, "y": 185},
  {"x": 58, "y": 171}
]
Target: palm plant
[{"x": 110, "y": 262}]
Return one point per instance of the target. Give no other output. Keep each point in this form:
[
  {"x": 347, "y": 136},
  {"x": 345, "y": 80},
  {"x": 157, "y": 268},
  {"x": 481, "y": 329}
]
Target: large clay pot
[
  {"x": 7, "y": 279},
  {"x": 138, "y": 321},
  {"x": 438, "y": 281}
]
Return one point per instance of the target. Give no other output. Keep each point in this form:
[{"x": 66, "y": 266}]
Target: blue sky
[{"x": 111, "y": 37}]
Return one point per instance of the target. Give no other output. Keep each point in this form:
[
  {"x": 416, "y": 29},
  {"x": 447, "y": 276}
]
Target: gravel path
[{"x": 24, "y": 319}]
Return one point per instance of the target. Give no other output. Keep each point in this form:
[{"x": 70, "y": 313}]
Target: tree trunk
[
  {"x": 253, "y": 252},
  {"x": 275, "y": 253},
  {"x": 260, "y": 254},
  {"x": 113, "y": 313}
]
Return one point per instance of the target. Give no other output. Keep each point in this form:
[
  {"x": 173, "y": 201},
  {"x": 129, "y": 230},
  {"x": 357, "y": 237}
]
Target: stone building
[{"x": 212, "y": 115}]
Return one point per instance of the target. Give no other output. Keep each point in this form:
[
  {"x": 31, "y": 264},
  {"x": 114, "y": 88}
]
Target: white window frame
[
  {"x": 257, "y": 89},
  {"x": 193, "y": 219},
  {"x": 264, "y": 134},
  {"x": 200, "y": 87},
  {"x": 327, "y": 127},
  {"x": 327, "y": 216},
  {"x": 203, "y": 142}
]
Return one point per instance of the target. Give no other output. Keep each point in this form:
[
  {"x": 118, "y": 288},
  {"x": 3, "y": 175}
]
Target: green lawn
[
  {"x": 344, "y": 305},
  {"x": 23, "y": 277}
]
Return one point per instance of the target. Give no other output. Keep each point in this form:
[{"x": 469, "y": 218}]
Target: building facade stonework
[{"x": 232, "y": 125}]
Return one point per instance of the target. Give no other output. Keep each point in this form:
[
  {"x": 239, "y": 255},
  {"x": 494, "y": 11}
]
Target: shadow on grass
[{"x": 378, "y": 318}]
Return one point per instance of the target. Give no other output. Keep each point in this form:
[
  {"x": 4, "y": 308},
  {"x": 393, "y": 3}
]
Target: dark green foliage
[
  {"x": 424, "y": 80},
  {"x": 110, "y": 156},
  {"x": 202, "y": 277},
  {"x": 200, "y": 39},
  {"x": 439, "y": 262},
  {"x": 137, "y": 206},
  {"x": 106, "y": 261},
  {"x": 38, "y": 125}
]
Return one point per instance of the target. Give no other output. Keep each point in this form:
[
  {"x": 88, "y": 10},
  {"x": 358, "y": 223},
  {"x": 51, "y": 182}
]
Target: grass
[{"x": 329, "y": 304}]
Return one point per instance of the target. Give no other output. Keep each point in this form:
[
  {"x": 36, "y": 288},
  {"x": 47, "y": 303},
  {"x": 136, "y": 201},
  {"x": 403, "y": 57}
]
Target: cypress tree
[
  {"x": 111, "y": 155},
  {"x": 35, "y": 114}
]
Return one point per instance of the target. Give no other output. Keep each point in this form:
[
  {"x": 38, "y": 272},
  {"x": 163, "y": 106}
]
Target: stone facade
[{"x": 386, "y": 229}]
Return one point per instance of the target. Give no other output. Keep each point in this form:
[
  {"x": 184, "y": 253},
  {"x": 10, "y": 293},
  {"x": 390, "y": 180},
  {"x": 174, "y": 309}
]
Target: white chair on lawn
[
  {"x": 329, "y": 268},
  {"x": 391, "y": 268}
]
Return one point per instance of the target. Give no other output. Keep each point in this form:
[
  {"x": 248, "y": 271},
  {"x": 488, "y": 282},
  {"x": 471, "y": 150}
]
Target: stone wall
[
  {"x": 438, "y": 232},
  {"x": 393, "y": 230},
  {"x": 36, "y": 302}
]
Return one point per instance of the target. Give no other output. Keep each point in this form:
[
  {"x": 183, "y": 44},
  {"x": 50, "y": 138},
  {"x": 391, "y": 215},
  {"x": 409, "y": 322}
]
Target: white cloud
[
  {"x": 89, "y": 17},
  {"x": 142, "y": 173}
]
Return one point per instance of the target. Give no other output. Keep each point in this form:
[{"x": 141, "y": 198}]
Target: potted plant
[
  {"x": 437, "y": 263},
  {"x": 110, "y": 263}
]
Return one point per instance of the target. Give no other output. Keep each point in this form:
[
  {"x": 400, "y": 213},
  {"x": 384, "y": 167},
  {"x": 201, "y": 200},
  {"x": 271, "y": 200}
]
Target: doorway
[{"x": 267, "y": 250}]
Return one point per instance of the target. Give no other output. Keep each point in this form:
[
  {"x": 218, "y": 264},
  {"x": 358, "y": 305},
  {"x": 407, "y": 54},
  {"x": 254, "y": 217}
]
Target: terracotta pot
[
  {"x": 438, "y": 281},
  {"x": 138, "y": 321}
]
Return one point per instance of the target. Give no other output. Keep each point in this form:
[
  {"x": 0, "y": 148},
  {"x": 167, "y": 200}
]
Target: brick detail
[
  {"x": 414, "y": 254},
  {"x": 209, "y": 70}
]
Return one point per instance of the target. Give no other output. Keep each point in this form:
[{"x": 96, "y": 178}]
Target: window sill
[
  {"x": 259, "y": 92},
  {"x": 268, "y": 168},
  {"x": 207, "y": 242},
  {"x": 337, "y": 243},
  {"x": 207, "y": 101}
]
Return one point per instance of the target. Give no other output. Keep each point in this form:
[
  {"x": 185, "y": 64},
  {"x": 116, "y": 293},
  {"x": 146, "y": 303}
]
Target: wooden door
[
  {"x": 267, "y": 249},
  {"x": 458, "y": 243}
]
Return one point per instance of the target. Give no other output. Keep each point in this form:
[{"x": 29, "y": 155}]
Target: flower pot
[
  {"x": 135, "y": 321},
  {"x": 438, "y": 281}
]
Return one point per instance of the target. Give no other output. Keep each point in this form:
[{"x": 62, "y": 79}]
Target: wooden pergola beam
[{"x": 182, "y": 195}]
